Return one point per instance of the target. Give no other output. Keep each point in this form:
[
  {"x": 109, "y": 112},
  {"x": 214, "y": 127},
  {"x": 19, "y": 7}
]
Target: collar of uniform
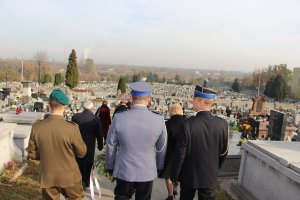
[
  {"x": 203, "y": 112},
  {"x": 56, "y": 116},
  {"x": 139, "y": 106},
  {"x": 87, "y": 111}
]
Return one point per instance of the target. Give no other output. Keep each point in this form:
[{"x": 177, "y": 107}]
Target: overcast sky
[{"x": 218, "y": 34}]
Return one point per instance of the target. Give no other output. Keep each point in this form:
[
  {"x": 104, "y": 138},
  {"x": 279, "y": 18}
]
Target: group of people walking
[{"x": 140, "y": 146}]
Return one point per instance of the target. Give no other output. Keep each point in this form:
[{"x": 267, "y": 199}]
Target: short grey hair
[{"x": 88, "y": 104}]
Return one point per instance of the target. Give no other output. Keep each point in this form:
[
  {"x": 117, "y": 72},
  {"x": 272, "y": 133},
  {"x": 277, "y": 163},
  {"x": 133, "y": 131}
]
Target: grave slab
[{"x": 270, "y": 169}]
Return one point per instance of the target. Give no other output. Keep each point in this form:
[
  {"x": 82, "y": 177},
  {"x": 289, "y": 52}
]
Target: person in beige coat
[{"x": 56, "y": 142}]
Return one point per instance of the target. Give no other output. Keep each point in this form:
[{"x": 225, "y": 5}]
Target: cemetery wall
[{"x": 268, "y": 176}]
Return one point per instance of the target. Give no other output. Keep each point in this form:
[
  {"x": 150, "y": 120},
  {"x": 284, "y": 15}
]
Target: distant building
[{"x": 295, "y": 86}]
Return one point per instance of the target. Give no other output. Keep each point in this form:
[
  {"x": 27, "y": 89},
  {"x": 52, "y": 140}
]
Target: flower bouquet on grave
[
  {"x": 10, "y": 165},
  {"x": 245, "y": 129}
]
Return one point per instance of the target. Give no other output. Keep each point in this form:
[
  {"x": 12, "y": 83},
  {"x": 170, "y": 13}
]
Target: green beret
[{"x": 59, "y": 96}]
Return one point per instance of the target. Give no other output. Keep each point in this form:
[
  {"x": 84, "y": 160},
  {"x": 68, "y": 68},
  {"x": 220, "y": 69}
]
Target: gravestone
[
  {"x": 38, "y": 106},
  {"x": 6, "y": 91},
  {"x": 259, "y": 106},
  {"x": 26, "y": 88},
  {"x": 22, "y": 118},
  {"x": 2, "y": 97},
  {"x": 8, "y": 149},
  {"x": 277, "y": 125}
]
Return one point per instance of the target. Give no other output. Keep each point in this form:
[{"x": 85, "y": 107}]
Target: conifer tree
[
  {"x": 122, "y": 84},
  {"x": 236, "y": 86},
  {"x": 72, "y": 76},
  {"x": 57, "y": 79},
  {"x": 46, "y": 78},
  {"x": 276, "y": 88}
]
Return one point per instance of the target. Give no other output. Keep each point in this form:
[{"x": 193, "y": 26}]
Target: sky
[{"x": 240, "y": 35}]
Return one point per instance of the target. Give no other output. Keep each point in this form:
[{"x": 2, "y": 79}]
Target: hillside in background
[{"x": 11, "y": 69}]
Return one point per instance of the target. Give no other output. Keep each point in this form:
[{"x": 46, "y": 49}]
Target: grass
[
  {"x": 101, "y": 166},
  {"x": 25, "y": 187}
]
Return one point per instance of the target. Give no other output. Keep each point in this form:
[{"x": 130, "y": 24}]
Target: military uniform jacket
[
  {"x": 200, "y": 149},
  {"x": 55, "y": 142},
  {"x": 136, "y": 144}
]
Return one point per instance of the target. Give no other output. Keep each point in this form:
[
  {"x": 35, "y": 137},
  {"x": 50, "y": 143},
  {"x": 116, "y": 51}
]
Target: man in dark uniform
[
  {"x": 56, "y": 142},
  {"x": 121, "y": 107},
  {"x": 200, "y": 149},
  {"x": 90, "y": 129}
]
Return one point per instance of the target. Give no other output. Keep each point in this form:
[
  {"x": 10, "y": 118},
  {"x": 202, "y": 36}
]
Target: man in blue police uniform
[
  {"x": 200, "y": 149},
  {"x": 136, "y": 146}
]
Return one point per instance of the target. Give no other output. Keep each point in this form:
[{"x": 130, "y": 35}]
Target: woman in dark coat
[
  {"x": 173, "y": 128},
  {"x": 104, "y": 113}
]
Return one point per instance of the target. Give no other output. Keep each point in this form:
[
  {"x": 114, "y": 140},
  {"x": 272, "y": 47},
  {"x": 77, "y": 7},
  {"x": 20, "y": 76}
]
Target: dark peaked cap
[{"x": 203, "y": 92}]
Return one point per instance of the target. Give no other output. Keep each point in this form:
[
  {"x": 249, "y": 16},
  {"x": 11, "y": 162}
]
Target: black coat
[
  {"x": 174, "y": 126},
  {"x": 119, "y": 109},
  {"x": 200, "y": 150},
  {"x": 90, "y": 129}
]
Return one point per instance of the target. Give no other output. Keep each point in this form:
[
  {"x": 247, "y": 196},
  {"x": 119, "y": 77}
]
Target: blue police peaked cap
[
  {"x": 59, "y": 96},
  {"x": 141, "y": 89},
  {"x": 203, "y": 92}
]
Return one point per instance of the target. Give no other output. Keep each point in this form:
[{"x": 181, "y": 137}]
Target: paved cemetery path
[{"x": 159, "y": 191}]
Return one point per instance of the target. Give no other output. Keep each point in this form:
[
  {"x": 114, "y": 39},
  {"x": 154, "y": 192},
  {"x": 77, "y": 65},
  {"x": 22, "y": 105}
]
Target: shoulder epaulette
[
  {"x": 220, "y": 116},
  {"x": 155, "y": 112},
  {"x": 37, "y": 121},
  {"x": 71, "y": 122}
]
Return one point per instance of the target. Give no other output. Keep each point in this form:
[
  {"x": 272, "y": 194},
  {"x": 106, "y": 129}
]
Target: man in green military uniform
[{"x": 55, "y": 142}]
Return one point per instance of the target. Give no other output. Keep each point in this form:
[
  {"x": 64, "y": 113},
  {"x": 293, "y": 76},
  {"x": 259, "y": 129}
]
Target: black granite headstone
[
  {"x": 277, "y": 125},
  {"x": 2, "y": 96},
  {"x": 6, "y": 91},
  {"x": 38, "y": 106}
]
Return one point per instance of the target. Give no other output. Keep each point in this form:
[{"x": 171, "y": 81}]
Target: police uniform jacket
[
  {"x": 136, "y": 144},
  {"x": 90, "y": 129},
  {"x": 200, "y": 149},
  {"x": 55, "y": 142}
]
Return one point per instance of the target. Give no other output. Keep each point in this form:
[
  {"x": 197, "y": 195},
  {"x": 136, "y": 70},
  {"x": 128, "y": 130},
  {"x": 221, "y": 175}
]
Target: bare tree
[{"x": 40, "y": 57}]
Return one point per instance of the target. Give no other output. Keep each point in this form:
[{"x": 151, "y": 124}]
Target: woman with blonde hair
[{"x": 173, "y": 128}]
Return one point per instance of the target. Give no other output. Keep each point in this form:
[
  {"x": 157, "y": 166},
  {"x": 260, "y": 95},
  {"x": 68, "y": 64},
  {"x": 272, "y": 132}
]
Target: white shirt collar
[{"x": 139, "y": 105}]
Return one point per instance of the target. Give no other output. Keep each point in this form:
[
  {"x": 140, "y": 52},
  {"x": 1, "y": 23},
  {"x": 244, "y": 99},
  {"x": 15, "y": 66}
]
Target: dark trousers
[
  {"x": 85, "y": 166},
  {"x": 187, "y": 193},
  {"x": 124, "y": 190}
]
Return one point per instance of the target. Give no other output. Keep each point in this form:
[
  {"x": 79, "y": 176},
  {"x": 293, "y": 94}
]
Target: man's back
[
  {"x": 137, "y": 132},
  {"x": 206, "y": 136},
  {"x": 90, "y": 129},
  {"x": 55, "y": 141}
]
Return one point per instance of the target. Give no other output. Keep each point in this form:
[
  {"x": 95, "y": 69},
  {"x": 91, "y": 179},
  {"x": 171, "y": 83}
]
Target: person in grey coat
[{"x": 136, "y": 146}]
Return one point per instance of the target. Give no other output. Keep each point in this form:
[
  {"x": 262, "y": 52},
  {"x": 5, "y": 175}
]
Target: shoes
[
  {"x": 85, "y": 185},
  {"x": 170, "y": 198},
  {"x": 174, "y": 193}
]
